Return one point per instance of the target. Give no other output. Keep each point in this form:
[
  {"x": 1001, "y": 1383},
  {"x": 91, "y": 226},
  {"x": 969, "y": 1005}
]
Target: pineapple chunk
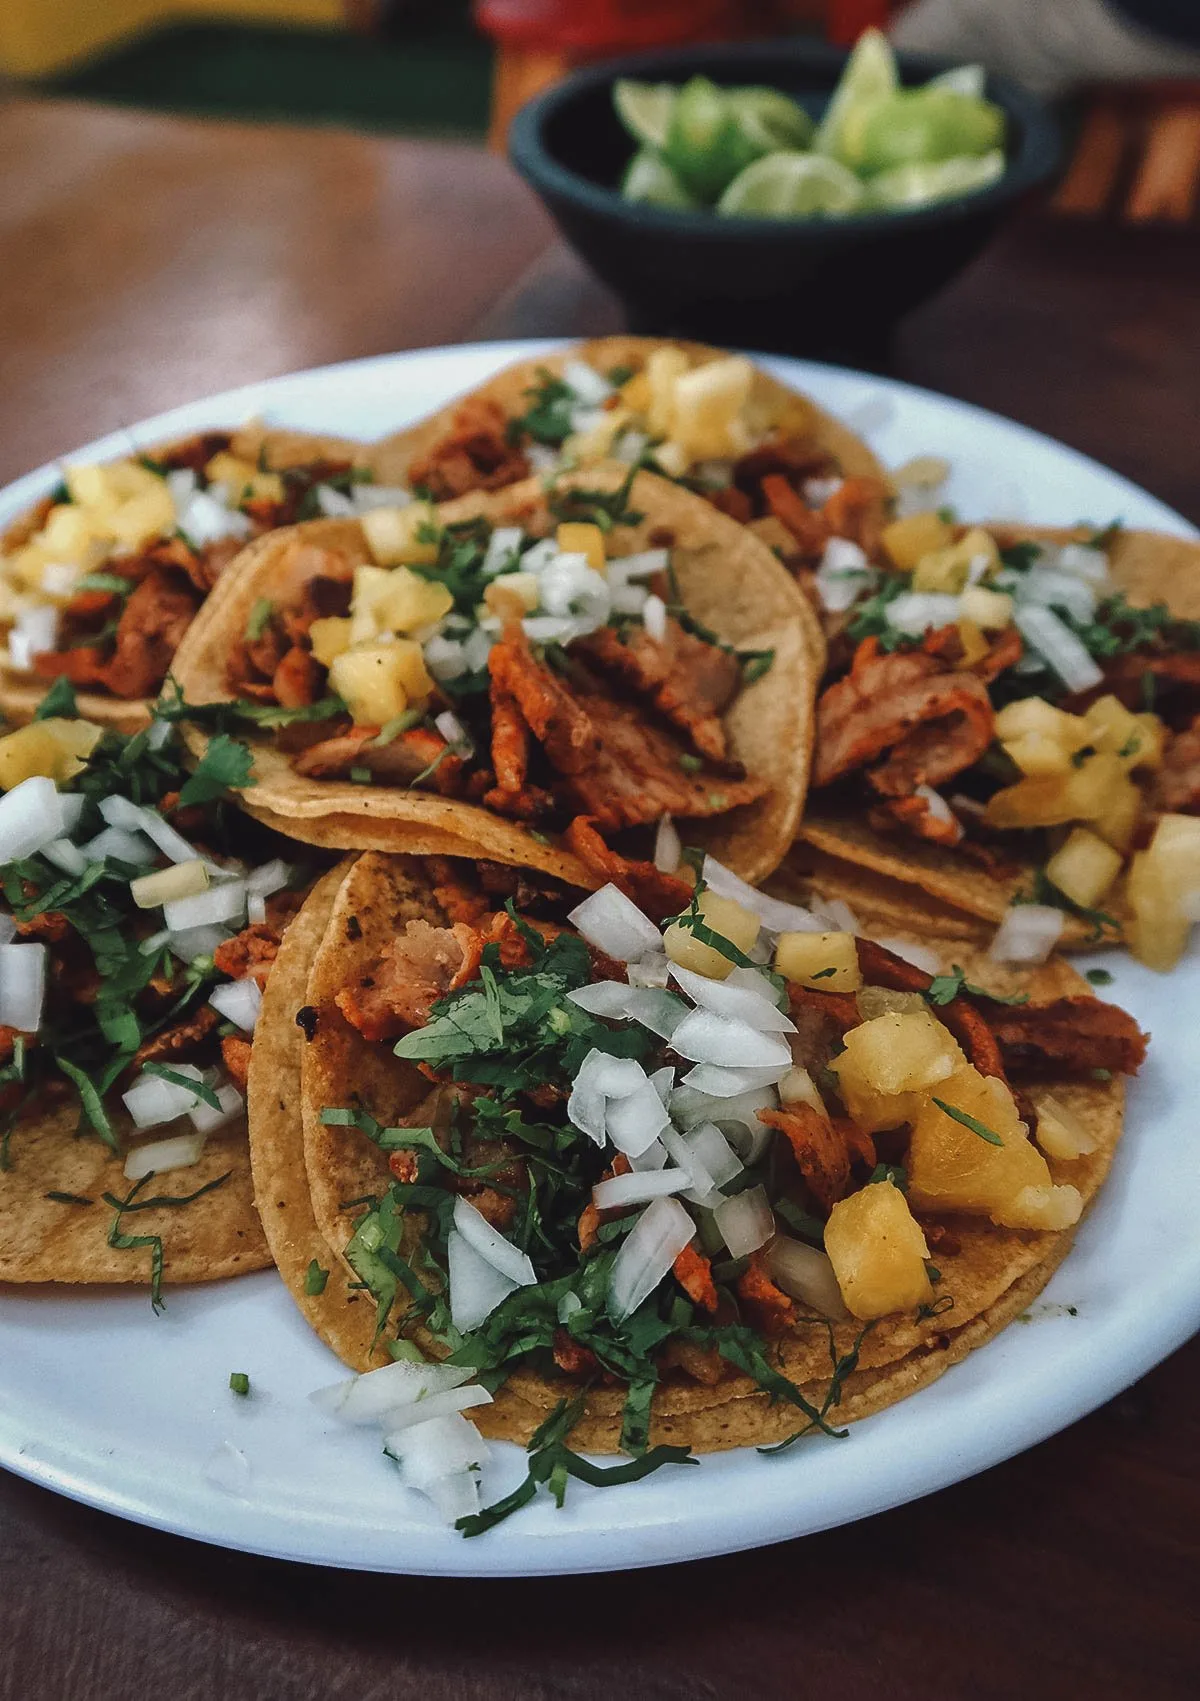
[
  {"x": 798, "y": 1087},
  {"x": 878, "y": 1252},
  {"x": 952, "y": 1168},
  {"x": 733, "y": 921},
  {"x": 244, "y": 479},
  {"x": 949, "y": 569},
  {"x": 664, "y": 368},
  {"x": 512, "y": 595},
  {"x": 1136, "y": 740},
  {"x": 1037, "y": 754},
  {"x": 974, "y": 645},
  {"x": 903, "y": 1052},
  {"x": 1084, "y": 867},
  {"x": 1160, "y": 928},
  {"x": 596, "y": 442},
  {"x": 872, "y": 1110},
  {"x": 379, "y": 681},
  {"x": 635, "y": 394},
  {"x": 403, "y": 537},
  {"x": 143, "y": 517},
  {"x": 875, "y": 1001},
  {"x": 990, "y": 610},
  {"x": 906, "y": 541},
  {"x": 580, "y": 537},
  {"x": 54, "y": 749},
  {"x": 1060, "y": 1133},
  {"x": 827, "y": 961},
  {"x": 1118, "y": 824},
  {"x": 1034, "y": 714},
  {"x": 1042, "y": 1207},
  {"x": 407, "y": 602},
  {"x": 1081, "y": 794},
  {"x": 671, "y": 459},
  {"x": 708, "y": 407},
  {"x": 66, "y": 534},
  {"x": 328, "y": 638},
  {"x": 370, "y": 586}
]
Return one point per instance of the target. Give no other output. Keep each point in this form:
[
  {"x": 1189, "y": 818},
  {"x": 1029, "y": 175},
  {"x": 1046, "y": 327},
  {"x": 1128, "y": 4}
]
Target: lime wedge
[
  {"x": 792, "y": 185},
  {"x": 705, "y": 145},
  {"x": 963, "y": 80},
  {"x": 917, "y": 185},
  {"x": 649, "y": 179},
  {"x": 770, "y": 120},
  {"x": 645, "y": 110},
  {"x": 924, "y": 126},
  {"x": 869, "y": 77}
]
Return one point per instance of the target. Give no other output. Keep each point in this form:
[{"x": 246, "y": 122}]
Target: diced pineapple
[
  {"x": 1060, "y": 1133},
  {"x": 827, "y": 961},
  {"x": 798, "y": 1087},
  {"x": 1084, "y": 867},
  {"x": 244, "y": 480},
  {"x": 328, "y": 638},
  {"x": 143, "y": 517},
  {"x": 512, "y": 595},
  {"x": 55, "y": 749},
  {"x": 1160, "y": 929},
  {"x": 664, "y": 368},
  {"x": 596, "y": 442},
  {"x": 66, "y": 534},
  {"x": 733, "y": 921},
  {"x": 1042, "y": 1207},
  {"x": 580, "y": 537},
  {"x": 1038, "y": 755},
  {"x": 1083, "y": 793},
  {"x": 974, "y": 645},
  {"x": 952, "y": 1168},
  {"x": 903, "y": 1052},
  {"x": 635, "y": 393},
  {"x": 872, "y": 1110},
  {"x": 1118, "y": 824},
  {"x": 949, "y": 569},
  {"x": 1136, "y": 740},
  {"x": 671, "y": 458},
  {"x": 408, "y": 602},
  {"x": 875, "y": 1001},
  {"x": 403, "y": 537},
  {"x": 1034, "y": 714},
  {"x": 370, "y": 586},
  {"x": 379, "y": 681},
  {"x": 878, "y": 1252},
  {"x": 709, "y": 402},
  {"x": 990, "y": 610},
  {"x": 906, "y": 541}
]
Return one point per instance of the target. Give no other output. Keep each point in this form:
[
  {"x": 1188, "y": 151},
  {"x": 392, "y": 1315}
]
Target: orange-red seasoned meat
[
  {"x": 689, "y": 682},
  {"x": 183, "y": 1036},
  {"x": 769, "y": 1307},
  {"x": 917, "y": 815},
  {"x": 418, "y": 754},
  {"x": 415, "y": 969},
  {"x": 559, "y": 722},
  {"x": 510, "y": 741},
  {"x": 235, "y": 1054},
  {"x": 249, "y": 954},
  {"x": 1177, "y": 783},
  {"x": 298, "y": 678},
  {"x": 475, "y": 454},
  {"x": 1073, "y": 1035},
  {"x": 153, "y": 621},
  {"x": 657, "y": 894},
  {"x": 858, "y": 510},
  {"x": 807, "y": 525},
  {"x": 693, "y": 1272},
  {"x": 820, "y": 1150}
]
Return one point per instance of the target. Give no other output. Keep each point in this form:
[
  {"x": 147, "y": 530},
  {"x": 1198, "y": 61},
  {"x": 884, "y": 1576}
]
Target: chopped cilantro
[
  {"x": 132, "y": 1242},
  {"x": 115, "y": 584},
  {"x": 58, "y": 701},
  {"x": 68, "y": 1198},
  {"x": 604, "y": 508},
  {"x": 948, "y": 514},
  {"x": 547, "y": 419},
  {"x": 691, "y": 764},
  {"x": 315, "y": 1279},
  {"x": 362, "y": 776},
  {"x": 1107, "y": 535},
  {"x": 944, "y": 989},
  {"x": 895, "y": 1173},
  {"x": 257, "y": 619},
  {"x": 239, "y": 1382},
  {"x": 227, "y": 764},
  {"x": 968, "y": 1121},
  {"x": 199, "y": 1089},
  {"x": 1099, "y": 977},
  {"x": 1021, "y": 556},
  {"x": 1044, "y": 891}
]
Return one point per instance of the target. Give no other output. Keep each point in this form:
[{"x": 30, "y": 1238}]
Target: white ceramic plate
[{"x": 103, "y": 1401}]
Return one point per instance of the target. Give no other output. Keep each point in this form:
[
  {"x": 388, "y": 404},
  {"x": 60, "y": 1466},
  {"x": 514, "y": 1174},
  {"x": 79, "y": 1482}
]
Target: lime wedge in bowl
[
  {"x": 650, "y": 180},
  {"x": 869, "y": 77},
  {"x": 645, "y": 110},
  {"x": 770, "y": 120},
  {"x": 705, "y": 145},
  {"x": 792, "y": 185},
  {"x": 918, "y": 185}
]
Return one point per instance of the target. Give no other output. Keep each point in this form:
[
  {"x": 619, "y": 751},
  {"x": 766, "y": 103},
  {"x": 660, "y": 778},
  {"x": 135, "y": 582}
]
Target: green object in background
[
  {"x": 925, "y": 126},
  {"x": 650, "y": 180},
  {"x": 434, "y": 81},
  {"x": 917, "y": 185},
  {"x": 868, "y": 77},
  {"x": 705, "y": 145},
  {"x": 792, "y": 185}
]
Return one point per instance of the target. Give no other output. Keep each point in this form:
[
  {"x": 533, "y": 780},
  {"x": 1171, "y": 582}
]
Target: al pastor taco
[
  {"x": 527, "y": 675},
  {"x": 1008, "y": 724},
  {"x": 141, "y": 919},
  {"x": 655, "y": 1176},
  {"x": 101, "y": 580}
]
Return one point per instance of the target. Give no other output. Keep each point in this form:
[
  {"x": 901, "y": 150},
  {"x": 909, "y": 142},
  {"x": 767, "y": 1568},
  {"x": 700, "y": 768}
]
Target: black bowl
[{"x": 833, "y": 287}]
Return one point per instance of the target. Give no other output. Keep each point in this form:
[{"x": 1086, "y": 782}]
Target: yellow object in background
[{"x": 41, "y": 37}]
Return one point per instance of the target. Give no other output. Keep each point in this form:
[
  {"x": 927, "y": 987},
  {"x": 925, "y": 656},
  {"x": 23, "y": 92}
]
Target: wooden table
[{"x": 145, "y": 262}]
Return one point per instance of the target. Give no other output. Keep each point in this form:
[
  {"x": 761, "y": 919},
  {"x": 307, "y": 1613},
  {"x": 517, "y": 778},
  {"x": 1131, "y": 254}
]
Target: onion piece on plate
[
  {"x": 647, "y": 1254},
  {"x": 601, "y": 1077},
  {"x": 22, "y": 986},
  {"x": 613, "y": 923},
  {"x": 376, "y": 1393},
  {"x": 476, "y": 1287},
  {"x": 156, "y": 1157},
  {"x": 500, "y": 1253},
  {"x": 432, "y": 1406},
  {"x": 806, "y": 1274},
  {"x": 619, "y": 1192},
  {"x": 746, "y": 1221},
  {"x": 1027, "y": 934}
]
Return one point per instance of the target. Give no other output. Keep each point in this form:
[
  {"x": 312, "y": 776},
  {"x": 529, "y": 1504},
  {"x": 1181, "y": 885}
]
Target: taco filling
[
  {"x": 538, "y": 675},
  {"x": 665, "y": 1157},
  {"x": 99, "y": 585},
  {"x": 137, "y": 940},
  {"x": 1001, "y": 698}
]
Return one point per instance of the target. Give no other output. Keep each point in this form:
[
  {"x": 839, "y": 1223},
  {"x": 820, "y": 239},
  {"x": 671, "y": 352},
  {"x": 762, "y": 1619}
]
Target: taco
[
  {"x": 711, "y": 419},
  {"x": 143, "y": 918},
  {"x": 529, "y": 675},
  {"x": 1008, "y": 723},
  {"x": 100, "y": 581},
  {"x": 599, "y": 1163}
]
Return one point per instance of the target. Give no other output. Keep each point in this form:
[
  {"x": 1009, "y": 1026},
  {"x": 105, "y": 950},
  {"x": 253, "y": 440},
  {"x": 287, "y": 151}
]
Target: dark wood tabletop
[{"x": 144, "y": 262}]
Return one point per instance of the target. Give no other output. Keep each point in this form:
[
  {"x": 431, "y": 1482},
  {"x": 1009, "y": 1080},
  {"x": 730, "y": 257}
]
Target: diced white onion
[
  {"x": 155, "y": 942},
  {"x": 35, "y": 631},
  {"x": 71, "y": 804},
  {"x": 843, "y": 574},
  {"x": 203, "y": 520},
  {"x": 807, "y": 1275},
  {"x": 156, "y": 1157},
  {"x": 735, "y": 1112},
  {"x": 746, "y": 1221},
  {"x": 191, "y": 942},
  {"x": 663, "y": 1082},
  {"x": 750, "y": 1000},
  {"x": 922, "y": 957},
  {"x": 668, "y": 847},
  {"x": 1049, "y": 588},
  {"x": 658, "y": 1010},
  {"x": 63, "y": 854},
  {"x": 701, "y": 1186},
  {"x": 441, "y": 1459},
  {"x": 31, "y": 816},
  {"x": 59, "y": 577},
  {"x": 1028, "y": 934},
  {"x": 166, "y": 885},
  {"x": 377, "y": 1393},
  {"x": 654, "y": 617},
  {"x": 613, "y": 923},
  {"x": 1085, "y": 562},
  {"x": 22, "y": 986},
  {"x": 503, "y": 547},
  {"x": 228, "y": 1469},
  {"x": 636, "y": 1120},
  {"x": 600, "y": 1078},
  {"x": 837, "y": 911},
  {"x": 433, "y": 1406},
  {"x": 647, "y": 1254},
  {"x": 172, "y": 844},
  {"x": 705, "y": 1037},
  {"x": 333, "y": 504},
  {"x": 724, "y": 1083},
  {"x": 589, "y": 385},
  {"x": 629, "y": 599},
  {"x": 445, "y": 658},
  {"x": 368, "y": 496},
  {"x": 256, "y": 909},
  {"x": 710, "y": 1148},
  {"x": 181, "y": 482},
  {"x": 650, "y": 970},
  {"x": 124, "y": 847},
  {"x": 452, "y": 729},
  {"x": 151, "y": 1100},
  {"x": 8, "y": 928},
  {"x": 645, "y": 564},
  {"x": 570, "y": 587},
  {"x": 630, "y": 446},
  {"x": 269, "y": 877},
  {"x": 774, "y": 913},
  {"x": 492, "y": 1245},
  {"x": 476, "y": 1286},
  {"x": 224, "y": 903},
  {"x": 239, "y": 1001},
  {"x": 1058, "y": 646},
  {"x": 638, "y": 1188},
  {"x": 915, "y": 612},
  {"x": 568, "y": 1305},
  {"x": 654, "y": 1157}
]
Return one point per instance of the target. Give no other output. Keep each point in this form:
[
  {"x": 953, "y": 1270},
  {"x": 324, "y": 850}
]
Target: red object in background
[
  {"x": 587, "y": 28},
  {"x": 849, "y": 18}
]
